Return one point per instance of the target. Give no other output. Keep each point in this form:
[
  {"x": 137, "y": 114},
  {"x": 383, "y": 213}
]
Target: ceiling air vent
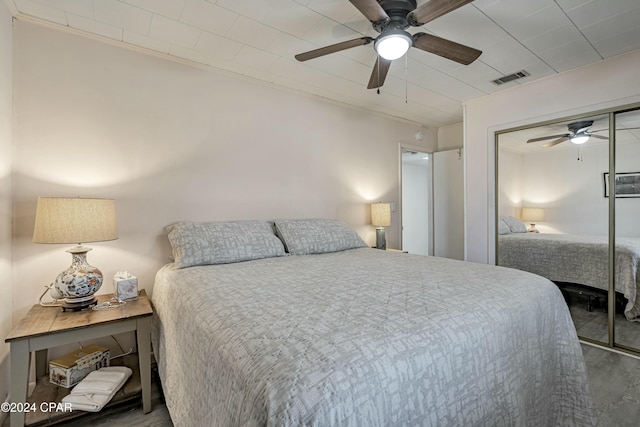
[{"x": 510, "y": 77}]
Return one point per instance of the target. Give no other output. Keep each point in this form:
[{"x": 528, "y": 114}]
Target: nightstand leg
[
  {"x": 143, "y": 334},
  {"x": 41, "y": 362},
  {"x": 20, "y": 359}
]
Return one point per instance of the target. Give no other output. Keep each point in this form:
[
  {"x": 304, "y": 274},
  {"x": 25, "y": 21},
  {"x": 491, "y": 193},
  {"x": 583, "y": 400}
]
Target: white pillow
[
  {"x": 503, "y": 228},
  {"x": 515, "y": 225}
]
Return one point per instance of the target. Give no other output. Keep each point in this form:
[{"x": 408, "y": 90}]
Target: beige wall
[
  {"x": 5, "y": 195},
  {"x": 604, "y": 84},
  {"x": 175, "y": 142}
]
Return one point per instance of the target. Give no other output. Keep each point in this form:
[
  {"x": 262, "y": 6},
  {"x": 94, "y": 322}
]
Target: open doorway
[{"x": 417, "y": 206}]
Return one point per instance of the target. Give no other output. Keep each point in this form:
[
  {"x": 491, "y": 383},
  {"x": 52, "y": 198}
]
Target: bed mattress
[{"x": 365, "y": 337}]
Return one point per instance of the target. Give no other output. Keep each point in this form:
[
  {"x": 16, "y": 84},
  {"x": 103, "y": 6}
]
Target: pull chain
[
  {"x": 406, "y": 78},
  {"x": 378, "y": 72}
]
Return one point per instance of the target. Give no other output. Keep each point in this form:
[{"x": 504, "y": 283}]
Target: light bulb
[
  {"x": 579, "y": 139},
  {"x": 393, "y": 44}
]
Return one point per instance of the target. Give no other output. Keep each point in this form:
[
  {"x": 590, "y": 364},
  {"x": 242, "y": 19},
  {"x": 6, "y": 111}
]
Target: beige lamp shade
[
  {"x": 74, "y": 220},
  {"x": 532, "y": 214},
  {"x": 381, "y": 214}
]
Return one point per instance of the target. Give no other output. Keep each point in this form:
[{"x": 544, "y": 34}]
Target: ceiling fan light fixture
[
  {"x": 393, "y": 44},
  {"x": 579, "y": 139}
]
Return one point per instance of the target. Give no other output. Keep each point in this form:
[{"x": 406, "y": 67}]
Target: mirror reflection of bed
[{"x": 564, "y": 183}]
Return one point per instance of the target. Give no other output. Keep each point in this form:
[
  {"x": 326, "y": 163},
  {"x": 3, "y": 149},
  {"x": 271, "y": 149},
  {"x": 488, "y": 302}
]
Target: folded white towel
[
  {"x": 98, "y": 388},
  {"x": 99, "y": 383},
  {"x": 89, "y": 403}
]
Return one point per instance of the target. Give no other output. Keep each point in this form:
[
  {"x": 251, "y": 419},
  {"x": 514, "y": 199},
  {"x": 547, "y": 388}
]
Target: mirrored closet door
[
  {"x": 556, "y": 219},
  {"x": 627, "y": 226}
]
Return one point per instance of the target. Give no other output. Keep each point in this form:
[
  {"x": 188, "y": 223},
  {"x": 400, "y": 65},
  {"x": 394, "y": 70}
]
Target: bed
[
  {"x": 575, "y": 259},
  {"x": 325, "y": 331}
]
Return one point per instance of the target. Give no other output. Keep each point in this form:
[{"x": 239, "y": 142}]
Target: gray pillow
[
  {"x": 503, "y": 228},
  {"x": 317, "y": 236},
  {"x": 515, "y": 225},
  {"x": 222, "y": 242}
]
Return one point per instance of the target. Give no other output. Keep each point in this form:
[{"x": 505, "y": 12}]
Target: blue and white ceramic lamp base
[{"x": 78, "y": 283}]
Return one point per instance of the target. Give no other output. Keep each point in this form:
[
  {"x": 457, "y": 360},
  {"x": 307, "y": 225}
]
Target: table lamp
[
  {"x": 533, "y": 215},
  {"x": 380, "y": 218},
  {"x": 76, "y": 220}
]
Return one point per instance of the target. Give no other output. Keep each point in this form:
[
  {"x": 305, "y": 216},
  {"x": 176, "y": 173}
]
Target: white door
[{"x": 448, "y": 204}]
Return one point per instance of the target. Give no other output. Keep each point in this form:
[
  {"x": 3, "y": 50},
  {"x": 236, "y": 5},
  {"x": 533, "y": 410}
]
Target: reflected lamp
[
  {"x": 533, "y": 215},
  {"x": 579, "y": 139},
  {"x": 76, "y": 220},
  {"x": 380, "y": 218}
]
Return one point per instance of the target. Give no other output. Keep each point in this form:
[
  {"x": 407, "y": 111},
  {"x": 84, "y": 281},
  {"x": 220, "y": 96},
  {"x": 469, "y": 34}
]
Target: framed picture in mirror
[{"x": 627, "y": 184}]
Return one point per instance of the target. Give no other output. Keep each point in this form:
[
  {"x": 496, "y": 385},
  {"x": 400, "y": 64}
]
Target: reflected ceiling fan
[
  {"x": 391, "y": 18},
  {"x": 579, "y": 133}
]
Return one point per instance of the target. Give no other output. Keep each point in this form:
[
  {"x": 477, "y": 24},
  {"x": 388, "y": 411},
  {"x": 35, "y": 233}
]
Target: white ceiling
[
  {"x": 627, "y": 131},
  {"x": 259, "y": 38}
]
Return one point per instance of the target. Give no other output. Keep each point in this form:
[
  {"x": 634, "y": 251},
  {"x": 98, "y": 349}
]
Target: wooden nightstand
[
  {"x": 45, "y": 327},
  {"x": 397, "y": 250}
]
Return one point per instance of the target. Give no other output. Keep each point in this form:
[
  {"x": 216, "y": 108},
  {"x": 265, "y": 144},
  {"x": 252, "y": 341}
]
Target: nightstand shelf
[
  {"x": 46, "y": 392},
  {"x": 46, "y": 327}
]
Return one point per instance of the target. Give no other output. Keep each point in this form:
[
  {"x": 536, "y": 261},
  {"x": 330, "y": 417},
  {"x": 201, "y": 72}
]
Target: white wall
[
  {"x": 600, "y": 85},
  {"x": 174, "y": 142},
  {"x": 570, "y": 191},
  {"x": 5, "y": 195},
  {"x": 510, "y": 178},
  {"x": 450, "y": 137}
]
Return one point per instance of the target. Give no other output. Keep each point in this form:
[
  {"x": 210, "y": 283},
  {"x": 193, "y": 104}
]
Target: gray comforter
[
  {"x": 576, "y": 259},
  {"x": 366, "y": 338}
]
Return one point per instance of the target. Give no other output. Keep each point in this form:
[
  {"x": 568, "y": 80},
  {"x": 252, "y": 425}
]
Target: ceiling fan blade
[
  {"x": 379, "y": 74},
  {"x": 446, "y": 48},
  {"x": 556, "y": 142},
  {"x": 543, "y": 138},
  {"x": 333, "y": 48},
  {"x": 371, "y": 9},
  {"x": 433, "y": 9},
  {"x": 597, "y": 136}
]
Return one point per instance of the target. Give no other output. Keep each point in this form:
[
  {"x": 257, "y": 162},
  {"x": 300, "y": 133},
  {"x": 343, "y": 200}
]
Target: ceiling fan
[
  {"x": 391, "y": 18},
  {"x": 579, "y": 133}
]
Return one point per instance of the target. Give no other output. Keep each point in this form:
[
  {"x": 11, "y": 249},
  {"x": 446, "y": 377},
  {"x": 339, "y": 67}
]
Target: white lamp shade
[
  {"x": 381, "y": 214},
  {"x": 74, "y": 220},
  {"x": 580, "y": 139},
  {"x": 393, "y": 45},
  {"x": 533, "y": 214}
]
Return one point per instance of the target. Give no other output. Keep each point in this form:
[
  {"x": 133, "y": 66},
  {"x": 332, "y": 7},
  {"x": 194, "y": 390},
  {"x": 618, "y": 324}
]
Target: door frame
[{"x": 421, "y": 149}]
